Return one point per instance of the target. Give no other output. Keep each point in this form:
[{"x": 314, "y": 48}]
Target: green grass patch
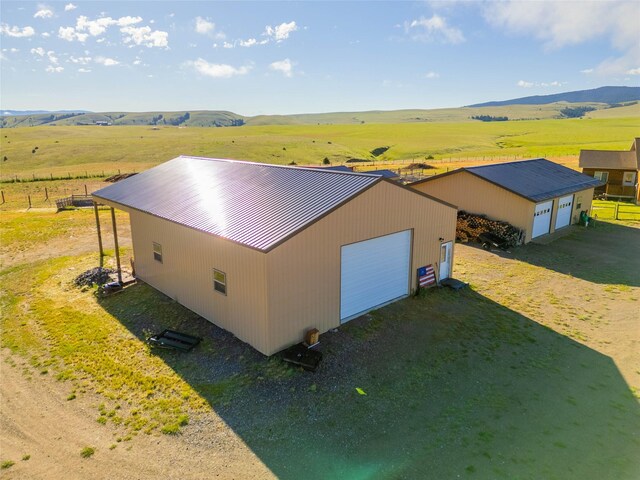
[
  {"x": 78, "y": 150},
  {"x": 7, "y": 464},
  {"x": 67, "y": 330},
  {"x": 87, "y": 452}
]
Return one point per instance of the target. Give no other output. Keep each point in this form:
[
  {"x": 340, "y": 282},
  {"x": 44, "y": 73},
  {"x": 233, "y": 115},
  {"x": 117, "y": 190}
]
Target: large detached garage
[
  {"x": 537, "y": 196},
  {"x": 269, "y": 252}
]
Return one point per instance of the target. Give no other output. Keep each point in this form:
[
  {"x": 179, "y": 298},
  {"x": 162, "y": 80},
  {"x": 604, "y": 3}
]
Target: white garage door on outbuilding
[
  {"x": 542, "y": 219},
  {"x": 374, "y": 272},
  {"x": 565, "y": 206}
]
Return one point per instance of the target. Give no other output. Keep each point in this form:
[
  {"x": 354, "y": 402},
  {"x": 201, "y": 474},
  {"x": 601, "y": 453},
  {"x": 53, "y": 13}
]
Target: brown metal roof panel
[{"x": 253, "y": 204}]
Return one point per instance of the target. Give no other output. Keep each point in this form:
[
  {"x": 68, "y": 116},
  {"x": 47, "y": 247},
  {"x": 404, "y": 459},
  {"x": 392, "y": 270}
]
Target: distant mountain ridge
[
  {"x": 610, "y": 95},
  {"x": 619, "y": 101},
  {"x": 37, "y": 112}
]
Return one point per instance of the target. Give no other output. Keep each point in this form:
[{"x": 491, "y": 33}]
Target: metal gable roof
[
  {"x": 538, "y": 179},
  {"x": 253, "y": 204}
]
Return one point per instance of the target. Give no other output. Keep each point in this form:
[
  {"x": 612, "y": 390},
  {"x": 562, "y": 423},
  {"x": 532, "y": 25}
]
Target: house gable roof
[
  {"x": 536, "y": 180},
  {"x": 612, "y": 159},
  {"x": 253, "y": 204}
]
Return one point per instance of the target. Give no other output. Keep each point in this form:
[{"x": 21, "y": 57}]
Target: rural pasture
[
  {"x": 78, "y": 150},
  {"x": 530, "y": 372}
]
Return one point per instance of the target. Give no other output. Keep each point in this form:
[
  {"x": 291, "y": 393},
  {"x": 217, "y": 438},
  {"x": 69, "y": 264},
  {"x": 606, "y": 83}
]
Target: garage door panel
[
  {"x": 374, "y": 272},
  {"x": 565, "y": 207},
  {"x": 542, "y": 219}
]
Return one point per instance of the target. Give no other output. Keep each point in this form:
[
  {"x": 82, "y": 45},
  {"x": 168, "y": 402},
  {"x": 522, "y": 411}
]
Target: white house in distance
[{"x": 268, "y": 252}]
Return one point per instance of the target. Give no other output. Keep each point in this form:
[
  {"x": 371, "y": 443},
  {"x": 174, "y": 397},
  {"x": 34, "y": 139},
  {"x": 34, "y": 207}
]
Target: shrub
[{"x": 86, "y": 452}]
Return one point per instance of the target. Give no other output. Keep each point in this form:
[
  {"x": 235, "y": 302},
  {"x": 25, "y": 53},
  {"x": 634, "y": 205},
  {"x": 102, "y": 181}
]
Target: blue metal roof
[
  {"x": 256, "y": 205},
  {"x": 383, "y": 173},
  {"x": 337, "y": 168},
  {"x": 538, "y": 179}
]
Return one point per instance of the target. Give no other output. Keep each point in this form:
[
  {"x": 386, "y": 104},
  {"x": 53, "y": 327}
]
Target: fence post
[
  {"x": 85, "y": 191},
  {"x": 29, "y": 197},
  {"x": 617, "y": 208},
  {"x": 2, "y": 196},
  {"x": 46, "y": 193}
]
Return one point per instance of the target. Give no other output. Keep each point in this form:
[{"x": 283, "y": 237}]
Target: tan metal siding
[
  {"x": 475, "y": 195},
  {"x": 186, "y": 275},
  {"x": 304, "y": 273}
]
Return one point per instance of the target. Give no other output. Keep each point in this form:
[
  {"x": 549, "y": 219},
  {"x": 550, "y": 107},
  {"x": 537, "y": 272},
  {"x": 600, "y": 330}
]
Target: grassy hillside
[
  {"x": 207, "y": 118},
  {"x": 193, "y": 119},
  {"x": 92, "y": 149},
  {"x": 632, "y": 110}
]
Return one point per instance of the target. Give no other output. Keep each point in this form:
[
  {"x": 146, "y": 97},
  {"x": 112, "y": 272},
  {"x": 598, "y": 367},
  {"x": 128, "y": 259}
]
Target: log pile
[{"x": 470, "y": 226}]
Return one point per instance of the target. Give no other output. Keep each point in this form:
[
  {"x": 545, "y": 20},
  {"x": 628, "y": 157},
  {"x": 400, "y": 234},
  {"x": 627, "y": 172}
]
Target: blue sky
[{"x": 295, "y": 57}]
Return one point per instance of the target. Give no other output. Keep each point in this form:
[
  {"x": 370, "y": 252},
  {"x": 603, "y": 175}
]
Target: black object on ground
[
  {"x": 305, "y": 357},
  {"x": 491, "y": 240},
  {"x": 95, "y": 276},
  {"x": 110, "y": 288},
  {"x": 173, "y": 340},
  {"x": 453, "y": 283}
]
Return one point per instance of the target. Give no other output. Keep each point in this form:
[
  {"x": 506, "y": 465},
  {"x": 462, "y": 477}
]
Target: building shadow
[
  {"x": 607, "y": 253},
  {"x": 452, "y": 385}
]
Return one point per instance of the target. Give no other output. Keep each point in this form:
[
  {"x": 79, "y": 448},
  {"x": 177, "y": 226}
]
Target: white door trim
[{"x": 444, "y": 267}]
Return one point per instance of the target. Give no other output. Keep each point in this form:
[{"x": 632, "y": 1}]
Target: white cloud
[
  {"x": 70, "y": 6},
  {"x": 634, "y": 71},
  {"x": 45, "y": 34},
  {"x": 280, "y": 32},
  {"x": 587, "y": 71},
  {"x": 434, "y": 29},
  {"x": 52, "y": 69},
  {"x": 431, "y": 75},
  {"x": 248, "y": 43},
  {"x": 217, "y": 70},
  {"x": 38, "y": 51},
  {"x": 85, "y": 27},
  {"x": 52, "y": 58},
  {"x": 616, "y": 21},
  {"x": 16, "y": 32},
  {"x": 145, "y": 36},
  {"x": 283, "y": 66},
  {"x": 204, "y": 26},
  {"x": 525, "y": 84},
  {"x": 137, "y": 61},
  {"x": 44, "y": 12},
  {"x": 107, "y": 62},
  {"x": 84, "y": 70},
  {"x": 80, "y": 60},
  {"x": 227, "y": 45},
  {"x": 69, "y": 34}
]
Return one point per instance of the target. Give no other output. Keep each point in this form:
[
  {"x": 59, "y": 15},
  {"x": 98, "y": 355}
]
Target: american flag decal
[{"x": 426, "y": 276}]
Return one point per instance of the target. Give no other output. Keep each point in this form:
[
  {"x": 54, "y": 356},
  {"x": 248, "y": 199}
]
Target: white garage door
[
  {"x": 542, "y": 219},
  {"x": 374, "y": 272},
  {"x": 565, "y": 207}
]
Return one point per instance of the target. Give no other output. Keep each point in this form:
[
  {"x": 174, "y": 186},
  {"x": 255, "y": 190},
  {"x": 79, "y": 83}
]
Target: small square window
[
  {"x": 157, "y": 252},
  {"x": 220, "y": 281}
]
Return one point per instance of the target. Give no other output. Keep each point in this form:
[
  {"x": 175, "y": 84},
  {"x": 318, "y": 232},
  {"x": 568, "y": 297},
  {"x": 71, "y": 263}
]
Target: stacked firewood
[{"x": 470, "y": 226}]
